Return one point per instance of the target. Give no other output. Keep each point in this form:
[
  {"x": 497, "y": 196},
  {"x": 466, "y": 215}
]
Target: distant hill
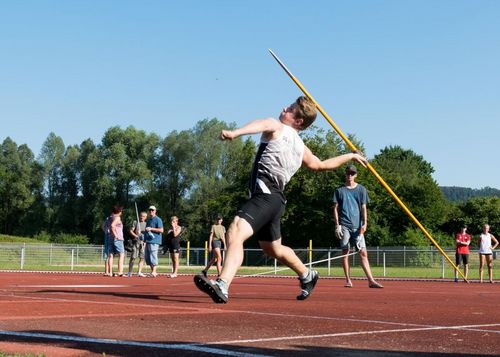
[{"x": 453, "y": 193}]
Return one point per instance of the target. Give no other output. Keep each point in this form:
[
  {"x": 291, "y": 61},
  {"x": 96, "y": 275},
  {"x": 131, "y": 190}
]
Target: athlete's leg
[
  {"x": 490, "y": 268},
  {"x": 284, "y": 255},
  {"x": 239, "y": 231},
  {"x": 218, "y": 260},
  {"x": 345, "y": 266},
  {"x": 481, "y": 266}
]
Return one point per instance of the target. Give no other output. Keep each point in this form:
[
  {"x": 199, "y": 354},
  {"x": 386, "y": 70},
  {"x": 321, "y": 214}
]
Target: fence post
[
  {"x": 378, "y": 260},
  {"x": 404, "y": 256},
  {"x": 77, "y": 254},
  {"x": 275, "y": 266},
  {"x": 188, "y": 252},
  {"x": 72, "y": 258},
  {"x": 329, "y": 261},
  {"x": 442, "y": 266},
  {"x": 22, "y": 257},
  {"x": 310, "y": 252},
  {"x": 384, "y": 263},
  {"x": 50, "y": 254},
  {"x": 206, "y": 253}
]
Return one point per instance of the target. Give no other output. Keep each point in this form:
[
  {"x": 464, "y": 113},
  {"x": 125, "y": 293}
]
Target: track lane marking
[
  {"x": 356, "y": 333},
  {"x": 105, "y": 341}
]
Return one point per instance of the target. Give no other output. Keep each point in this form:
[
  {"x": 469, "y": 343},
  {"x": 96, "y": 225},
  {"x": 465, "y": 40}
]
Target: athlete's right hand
[
  {"x": 360, "y": 157},
  {"x": 338, "y": 232},
  {"x": 227, "y": 135}
]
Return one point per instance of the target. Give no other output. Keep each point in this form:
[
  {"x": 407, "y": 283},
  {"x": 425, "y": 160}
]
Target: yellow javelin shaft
[{"x": 368, "y": 166}]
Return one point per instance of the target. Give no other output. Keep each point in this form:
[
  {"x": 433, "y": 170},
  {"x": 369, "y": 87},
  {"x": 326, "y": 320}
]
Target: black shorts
[
  {"x": 174, "y": 245},
  {"x": 263, "y": 212},
  {"x": 463, "y": 257},
  {"x": 216, "y": 243}
]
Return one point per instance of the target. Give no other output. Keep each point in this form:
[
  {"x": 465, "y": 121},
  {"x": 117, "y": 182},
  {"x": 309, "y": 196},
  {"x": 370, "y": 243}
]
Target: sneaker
[
  {"x": 204, "y": 272},
  {"x": 456, "y": 280},
  {"x": 308, "y": 286},
  {"x": 141, "y": 275},
  {"x": 129, "y": 275},
  {"x": 217, "y": 289}
]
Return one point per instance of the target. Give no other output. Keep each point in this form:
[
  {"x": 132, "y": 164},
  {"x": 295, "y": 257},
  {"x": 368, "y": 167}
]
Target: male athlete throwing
[{"x": 280, "y": 155}]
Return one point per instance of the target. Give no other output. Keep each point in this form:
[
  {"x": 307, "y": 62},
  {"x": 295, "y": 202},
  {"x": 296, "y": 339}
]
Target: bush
[
  {"x": 64, "y": 238},
  {"x": 43, "y": 236}
]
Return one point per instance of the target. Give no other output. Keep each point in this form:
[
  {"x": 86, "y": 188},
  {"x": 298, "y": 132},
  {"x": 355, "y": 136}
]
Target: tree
[
  {"x": 50, "y": 158},
  {"x": 220, "y": 167},
  {"x": 19, "y": 185},
  {"x": 479, "y": 211},
  {"x": 309, "y": 194},
  {"x": 410, "y": 177}
]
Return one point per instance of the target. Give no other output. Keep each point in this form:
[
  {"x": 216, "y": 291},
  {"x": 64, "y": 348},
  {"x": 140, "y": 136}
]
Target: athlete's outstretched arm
[
  {"x": 312, "y": 162},
  {"x": 267, "y": 126}
]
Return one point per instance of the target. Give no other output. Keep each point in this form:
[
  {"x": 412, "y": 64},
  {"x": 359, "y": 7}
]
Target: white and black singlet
[{"x": 276, "y": 162}]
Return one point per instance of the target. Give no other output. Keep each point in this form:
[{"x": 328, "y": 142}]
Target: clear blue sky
[{"x": 420, "y": 74}]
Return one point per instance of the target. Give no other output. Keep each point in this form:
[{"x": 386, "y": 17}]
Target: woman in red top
[{"x": 462, "y": 252}]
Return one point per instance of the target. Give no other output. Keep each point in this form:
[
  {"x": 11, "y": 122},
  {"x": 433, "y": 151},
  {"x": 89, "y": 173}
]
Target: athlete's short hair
[{"x": 305, "y": 110}]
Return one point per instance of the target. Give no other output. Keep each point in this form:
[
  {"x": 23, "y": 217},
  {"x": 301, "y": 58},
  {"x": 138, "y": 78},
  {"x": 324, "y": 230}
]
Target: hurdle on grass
[{"x": 368, "y": 166}]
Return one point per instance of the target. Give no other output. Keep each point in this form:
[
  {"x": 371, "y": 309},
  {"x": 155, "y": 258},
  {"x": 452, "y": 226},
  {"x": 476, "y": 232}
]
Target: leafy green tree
[
  {"x": 68, "y": 215},
  {"x": 19, "y": 184},
  {"x": 50, "y": 158},
  {"x": 173, "y": 173},
  {"x": 479, "y": 211},
  {"x": 410, "y": 177},
  {"x": 91, "y": 211},
  {"x": 309, "y": 194},
  {"x": 220, "y": 172}
]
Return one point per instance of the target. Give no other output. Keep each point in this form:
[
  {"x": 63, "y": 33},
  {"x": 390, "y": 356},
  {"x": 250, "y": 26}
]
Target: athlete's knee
[
  {"x": 238, "y": 231},
  {"x": 274, "y": 249}
]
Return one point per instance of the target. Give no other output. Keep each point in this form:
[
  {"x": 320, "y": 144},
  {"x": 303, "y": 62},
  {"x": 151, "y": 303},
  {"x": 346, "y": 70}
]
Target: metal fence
[{"x": 385, "y": 261}]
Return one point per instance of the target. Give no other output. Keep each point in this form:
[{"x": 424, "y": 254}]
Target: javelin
[{"x": 368, "y": 166}]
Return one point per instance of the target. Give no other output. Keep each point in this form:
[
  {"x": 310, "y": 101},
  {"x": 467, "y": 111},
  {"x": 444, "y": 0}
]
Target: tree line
[
  {"x": 195, "y": 176},
  {"x": 461, "y": 194}
]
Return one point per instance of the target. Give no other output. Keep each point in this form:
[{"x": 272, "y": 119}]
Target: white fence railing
[{"x": 385, "y": 261}]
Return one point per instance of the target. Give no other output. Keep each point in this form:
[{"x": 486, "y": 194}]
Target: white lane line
[
  {"x": 355, "y": 333},
  {"x": 105, "y": 341}
]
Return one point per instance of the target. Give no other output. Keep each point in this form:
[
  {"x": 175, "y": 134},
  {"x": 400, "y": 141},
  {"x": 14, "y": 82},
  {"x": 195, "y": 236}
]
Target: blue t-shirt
[
  {"x": 349, "y": 205},
  {"x": 153, "y": 237}
]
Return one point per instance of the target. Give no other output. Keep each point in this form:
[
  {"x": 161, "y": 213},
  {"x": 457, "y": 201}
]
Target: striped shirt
[{"x": 276, "y": 162}]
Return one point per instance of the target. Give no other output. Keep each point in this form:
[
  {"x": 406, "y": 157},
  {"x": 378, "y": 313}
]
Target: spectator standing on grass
[
  {"x": 215, "y": 240},
  {"x": 351, "y": 220},
  {"x": 486, "y": 252},
  {"x": 115, "y": 241},
  {"x": 138, "y": 245},
  {"x": 462, "y": 241},
  {"x": 154, "y": 230},
  {"x": 174, "y": 244},
  {"x": 280, "y": 154}
]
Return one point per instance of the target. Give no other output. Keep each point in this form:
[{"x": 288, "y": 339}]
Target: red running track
[{"x": 60, "y": 314}]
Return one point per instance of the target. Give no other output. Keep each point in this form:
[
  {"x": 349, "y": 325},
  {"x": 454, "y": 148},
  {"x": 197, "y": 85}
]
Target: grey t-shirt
[{"x": 349, "y": 205}]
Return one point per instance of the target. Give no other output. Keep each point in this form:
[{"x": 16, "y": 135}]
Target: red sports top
[{"x": 462, "y": 238}]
